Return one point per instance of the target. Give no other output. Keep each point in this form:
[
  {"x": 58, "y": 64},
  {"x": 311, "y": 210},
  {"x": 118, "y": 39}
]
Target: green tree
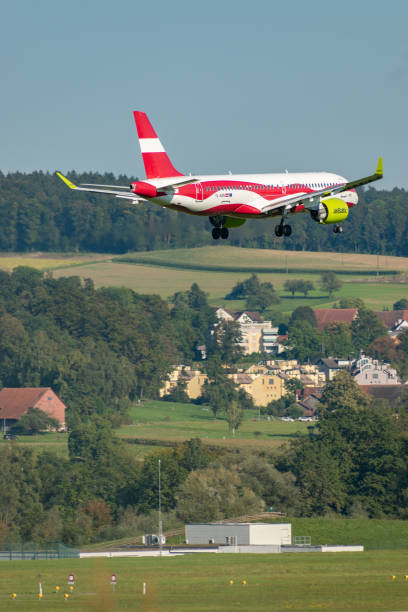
[
  {"x": 214, "y": 494},
  {"x": 218, "y": 394},
  {"x": 225, "y": 342},
  {"x": 298, "y": 286},
  {"x": 303, "y": 314},
  {"x": 343, "y": 392},
  {"x": 401, "y": 304},
  {"x": 305, "y": 286},
  {"x": 291, "y": 285},
  {"x": 244, "y": 288},
  {"x": 351, "y": 302},
  {"x": 305, "y": 342},
  {"x": 366, "y": 328},
  {"x": 234, "y": 415},
  {"x": 34, "y": 422},
  {"x": 337, "y": 340},
  {"x": 263, "y": 298},
  {"x": 330, "y": 282},
  {"x": 218, "y": 389}
]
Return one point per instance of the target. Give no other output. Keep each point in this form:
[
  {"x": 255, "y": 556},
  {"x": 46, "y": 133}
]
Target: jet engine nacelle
[
  {"x": 144, "y": 189},
  {"x": 331, "y": 210}
]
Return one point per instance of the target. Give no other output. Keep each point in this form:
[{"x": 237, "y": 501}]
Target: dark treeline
[{"x": 38, "y": 212}]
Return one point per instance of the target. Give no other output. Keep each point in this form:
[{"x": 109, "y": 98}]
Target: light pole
[{"x": 160, "y": 519}]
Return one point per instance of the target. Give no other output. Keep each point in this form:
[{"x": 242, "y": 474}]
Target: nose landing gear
[{"x": 337, "y": 229}]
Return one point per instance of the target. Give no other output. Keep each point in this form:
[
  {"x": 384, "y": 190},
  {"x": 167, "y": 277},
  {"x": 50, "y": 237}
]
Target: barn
[{"x": 15, "y": 402}]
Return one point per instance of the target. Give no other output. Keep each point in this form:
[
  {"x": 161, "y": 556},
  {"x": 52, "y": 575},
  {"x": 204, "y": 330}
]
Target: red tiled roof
[
  {"x": 326, "y": 316},
  {"x": 15, "y": 402},
  {"x": 389, "y": 392},
  {"x": 390, "y": 317}
]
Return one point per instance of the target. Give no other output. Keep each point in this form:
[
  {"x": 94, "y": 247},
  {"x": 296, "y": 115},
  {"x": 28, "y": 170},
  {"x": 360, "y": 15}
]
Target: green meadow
[
  {"x": 160, "y": 420},
  {"x": 175, "y": 422},
  {"x": 340, "y": 582},
  {"x": 219, "y": 268}
]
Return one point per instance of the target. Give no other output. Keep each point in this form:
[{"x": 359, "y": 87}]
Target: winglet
[
  {"x": 66, "y": 181},
  {"x": 379, "y": 170}
]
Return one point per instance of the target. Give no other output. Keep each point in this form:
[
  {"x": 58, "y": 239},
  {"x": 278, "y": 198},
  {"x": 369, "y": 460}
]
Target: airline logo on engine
[{"x": 339, "y": 211}]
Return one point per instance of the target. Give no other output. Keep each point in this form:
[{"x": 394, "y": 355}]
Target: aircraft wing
[
  {"x": 114, "y": 192},
  {"x": 310, "y": 199},
  {"x": 175, "y": 184}
]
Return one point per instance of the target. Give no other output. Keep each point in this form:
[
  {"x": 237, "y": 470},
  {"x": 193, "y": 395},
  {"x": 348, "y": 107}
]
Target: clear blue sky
[{"x": 229, "y": 85}]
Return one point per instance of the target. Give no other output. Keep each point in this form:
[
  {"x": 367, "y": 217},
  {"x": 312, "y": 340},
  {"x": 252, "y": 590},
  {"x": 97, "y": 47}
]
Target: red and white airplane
[{"x": 229, "y": 199}]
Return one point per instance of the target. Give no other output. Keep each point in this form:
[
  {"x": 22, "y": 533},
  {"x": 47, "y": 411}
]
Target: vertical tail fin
[{"x": 156, "y": 161}]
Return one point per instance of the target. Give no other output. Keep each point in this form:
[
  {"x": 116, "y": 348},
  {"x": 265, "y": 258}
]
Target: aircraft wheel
[
  {"x": 278, "y": 230},
  {"x": 224, "y": 233},
  {"x": 216, "y": 233},
  {"x": 287, "y": 230},
  {"x": 337, "y": 229}
]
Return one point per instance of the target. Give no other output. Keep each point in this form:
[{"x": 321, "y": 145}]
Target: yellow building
[
  {"x": 262, "y": 388},
  {"x": 193, "y": 379}
]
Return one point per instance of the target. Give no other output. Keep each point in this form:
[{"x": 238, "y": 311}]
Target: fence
[{"x": 29, "y": 551}]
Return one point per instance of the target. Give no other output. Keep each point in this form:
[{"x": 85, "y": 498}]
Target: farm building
[
  {"x": 240, "y": 534},
  {"x": 15, "y": 402}
]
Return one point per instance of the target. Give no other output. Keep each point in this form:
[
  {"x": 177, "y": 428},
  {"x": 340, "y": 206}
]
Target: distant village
[{"x": 265, "y": 381}]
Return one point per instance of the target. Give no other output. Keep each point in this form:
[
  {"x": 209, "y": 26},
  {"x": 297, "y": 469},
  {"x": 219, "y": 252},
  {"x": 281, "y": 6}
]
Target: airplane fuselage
[{"x": 245, "y": 195}]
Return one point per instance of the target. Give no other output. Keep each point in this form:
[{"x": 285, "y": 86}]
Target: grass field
[
  {"x": 47, "y": 261},
  {"x": 352, "y": 582},
  {"x": 165, "y": 282},
  {"x": 54, "y": 442},
  {"x": 176, "y": 422},
  {"x": 241, "y": 258},
  {"x": 378, "y": 292},
  {"x": 161, "y": 420}
]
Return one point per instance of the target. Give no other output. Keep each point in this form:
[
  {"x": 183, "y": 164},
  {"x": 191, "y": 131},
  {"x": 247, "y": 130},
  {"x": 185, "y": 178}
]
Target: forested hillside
[
  {"x": 98, "y": 349},
  {"x": 38, "y": 212}
]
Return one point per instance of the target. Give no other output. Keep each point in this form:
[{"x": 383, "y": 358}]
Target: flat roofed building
[{"x": 240, "y": 534}]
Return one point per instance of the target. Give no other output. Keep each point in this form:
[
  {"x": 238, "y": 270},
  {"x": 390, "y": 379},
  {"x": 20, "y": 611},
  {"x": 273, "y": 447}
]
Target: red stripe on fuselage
[{"x": 207, "y": 189}]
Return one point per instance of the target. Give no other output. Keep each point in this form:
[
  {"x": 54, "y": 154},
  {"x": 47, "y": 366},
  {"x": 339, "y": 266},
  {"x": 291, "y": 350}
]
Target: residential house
[
  {"x": 327, "y": 316},
  {"x": 368, "y": 371},
  {"x": 256, "y": 335},
  {"x": 310, "y": 401},
  {"x": 15, "y": 403},
  {"x": 262, "y": 388},
  {"x": 396, "y": 321},
  {"x": 331, "y": 365}
]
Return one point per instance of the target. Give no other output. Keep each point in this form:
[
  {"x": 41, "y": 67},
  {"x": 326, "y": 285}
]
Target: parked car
[{"x": 10, "y": 437}]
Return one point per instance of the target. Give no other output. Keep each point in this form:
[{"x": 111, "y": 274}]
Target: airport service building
[{"x": 240, "y": 534}]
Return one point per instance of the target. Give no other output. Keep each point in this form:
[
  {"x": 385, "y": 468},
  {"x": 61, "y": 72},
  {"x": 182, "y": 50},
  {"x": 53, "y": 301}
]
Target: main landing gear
[
  {"x": 337, "y": 229},
  {"x": 219, "y": 231},
  {"x": 283, "y": 230}
]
